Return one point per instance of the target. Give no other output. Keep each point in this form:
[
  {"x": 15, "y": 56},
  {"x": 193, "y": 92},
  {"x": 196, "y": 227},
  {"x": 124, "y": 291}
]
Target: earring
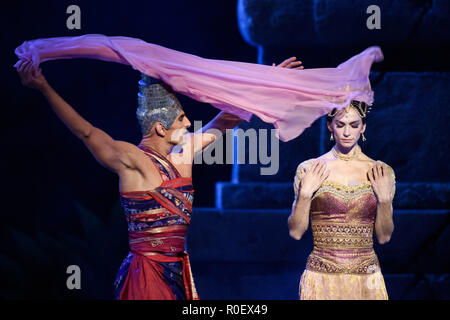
[
  {"x": 363, "y": 138},
  {"x": 331, "y": 137}
]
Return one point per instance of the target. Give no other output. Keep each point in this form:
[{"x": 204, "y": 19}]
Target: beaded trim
[
  {"x": 332, "y": 184},
  {"x": 316, "y": 263},
  {"x": 344, "y": 191},
  {"x": 342, "y": 236}
]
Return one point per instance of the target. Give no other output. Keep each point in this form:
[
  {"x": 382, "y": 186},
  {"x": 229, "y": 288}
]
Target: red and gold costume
[{"x": 157, "y": 267}]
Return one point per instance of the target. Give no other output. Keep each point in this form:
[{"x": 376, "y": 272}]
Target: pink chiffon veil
[{"x": 289, "y": 99}]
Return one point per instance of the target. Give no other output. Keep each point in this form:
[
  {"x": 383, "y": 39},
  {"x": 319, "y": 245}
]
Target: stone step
[
  {"x": 279, "y": 281},
  {"x": 280, "y": 195},
  {"x": 419, "y": 243}
]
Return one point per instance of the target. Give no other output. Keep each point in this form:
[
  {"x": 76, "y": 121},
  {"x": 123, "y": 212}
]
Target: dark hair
[{"x": 360, "y": 106}]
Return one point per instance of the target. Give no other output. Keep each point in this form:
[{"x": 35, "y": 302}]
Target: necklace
[{"x": 355, "y": 153}]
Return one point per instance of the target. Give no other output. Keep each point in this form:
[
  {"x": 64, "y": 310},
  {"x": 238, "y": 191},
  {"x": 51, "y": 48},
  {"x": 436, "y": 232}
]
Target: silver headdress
[{"x": 156, "y": 103}]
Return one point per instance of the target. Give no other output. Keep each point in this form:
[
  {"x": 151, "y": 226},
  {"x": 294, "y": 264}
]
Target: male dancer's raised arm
[
  {"x": 110, "y": 153},
  {"x": 117, "y": 155}
]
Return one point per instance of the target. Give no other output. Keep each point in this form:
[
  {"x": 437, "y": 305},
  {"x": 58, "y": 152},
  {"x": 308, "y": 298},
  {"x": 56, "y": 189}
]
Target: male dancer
[{"x": 155, "y": 183}]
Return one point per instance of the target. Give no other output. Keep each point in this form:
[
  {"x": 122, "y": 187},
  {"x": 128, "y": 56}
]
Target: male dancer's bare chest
[
  {"x": 149, "y": 173},
  {"x": 152, "y": 174},
  {"x": 184, "y": 168}
]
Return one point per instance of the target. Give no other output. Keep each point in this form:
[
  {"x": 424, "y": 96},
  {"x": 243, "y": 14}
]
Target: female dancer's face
[{"x": 347, "y": 127}]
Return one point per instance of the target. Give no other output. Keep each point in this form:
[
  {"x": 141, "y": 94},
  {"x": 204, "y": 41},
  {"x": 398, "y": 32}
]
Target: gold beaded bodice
[{"x": 342, "y": 220}]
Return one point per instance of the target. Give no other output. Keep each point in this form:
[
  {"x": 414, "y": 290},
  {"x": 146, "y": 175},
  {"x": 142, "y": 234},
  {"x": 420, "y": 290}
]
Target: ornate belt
[
  {"x": 354, "y": 265},
  {"x": 343, "y": 248},
  {"x": 345, "y": 236}
]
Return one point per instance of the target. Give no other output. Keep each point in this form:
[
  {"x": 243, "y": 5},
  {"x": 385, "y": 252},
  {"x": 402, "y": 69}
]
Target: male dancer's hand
[
  {"x": 31, "y": 78},
  {"x": 290, "y": 64}
]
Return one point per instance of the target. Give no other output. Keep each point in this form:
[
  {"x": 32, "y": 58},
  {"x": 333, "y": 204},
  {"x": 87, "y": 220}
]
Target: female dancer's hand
[
  {"x": 313, "y": 178},
  {"x": 382, "y": 183},
  {"x": 290, "y": 64},
  {"x": 30, "y": 78}
]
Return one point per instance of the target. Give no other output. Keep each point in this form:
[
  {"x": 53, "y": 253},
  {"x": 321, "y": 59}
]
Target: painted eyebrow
[{"x": 353, "y": 122}]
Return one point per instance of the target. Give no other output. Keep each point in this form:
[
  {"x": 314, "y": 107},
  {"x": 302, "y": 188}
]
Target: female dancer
[{"x": 340, "y": 192}]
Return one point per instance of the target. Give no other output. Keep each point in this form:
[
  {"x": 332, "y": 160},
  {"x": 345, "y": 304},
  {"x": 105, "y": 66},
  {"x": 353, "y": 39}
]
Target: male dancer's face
[{"x": 176, "y": 134}]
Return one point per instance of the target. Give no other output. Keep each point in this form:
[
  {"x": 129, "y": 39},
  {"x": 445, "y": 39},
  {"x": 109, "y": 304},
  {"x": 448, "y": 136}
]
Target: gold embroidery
[
  {"x": 321, "y": 264},
  {"x": 336, "y": 187},
  {"x": 342, "y": 236},
  {"x": 341, "y": 190},
  {"x": 342, "y": 248}
]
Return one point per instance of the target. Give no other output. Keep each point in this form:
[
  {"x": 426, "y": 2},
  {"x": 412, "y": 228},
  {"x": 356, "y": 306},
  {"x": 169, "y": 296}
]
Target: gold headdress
[{"x": 360, "y": 106}]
